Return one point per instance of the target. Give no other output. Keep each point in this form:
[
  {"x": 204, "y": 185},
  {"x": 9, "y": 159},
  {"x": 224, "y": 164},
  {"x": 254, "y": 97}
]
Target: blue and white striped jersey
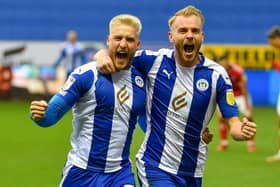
[
  {"x": 180, "y": 104},
  {"x": 105, "y": 111}
]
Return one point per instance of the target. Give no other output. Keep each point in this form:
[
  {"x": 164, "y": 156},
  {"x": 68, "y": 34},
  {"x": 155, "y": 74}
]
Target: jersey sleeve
[
  {"x": 57, "y": 107},
  {"x": 144, "y": 59},
  {"x": 225, "y": 97},
  {"x": 74, "y": 88}
]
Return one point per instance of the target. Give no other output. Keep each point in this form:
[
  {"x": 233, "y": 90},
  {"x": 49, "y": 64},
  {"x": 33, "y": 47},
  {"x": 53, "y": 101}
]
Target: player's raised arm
[{"x": 47, "y": 114}]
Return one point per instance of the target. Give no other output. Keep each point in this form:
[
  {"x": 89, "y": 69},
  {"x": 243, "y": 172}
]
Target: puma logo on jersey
[
  {"x": 166, "y": 73},
  {"x": 122, "y": 95}
]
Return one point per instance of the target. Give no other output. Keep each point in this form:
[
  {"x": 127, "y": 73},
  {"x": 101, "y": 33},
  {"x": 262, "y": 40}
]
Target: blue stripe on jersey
[
  {"x": 226, "y": 109},
  {"x": 194, "y": 125},
  {"x": 102, "y": 121},
  {"x": 159, "y": 110}
]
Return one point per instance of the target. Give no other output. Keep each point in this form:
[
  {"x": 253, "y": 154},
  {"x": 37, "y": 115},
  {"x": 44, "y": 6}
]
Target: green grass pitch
[{"x": 32, "y": 156}]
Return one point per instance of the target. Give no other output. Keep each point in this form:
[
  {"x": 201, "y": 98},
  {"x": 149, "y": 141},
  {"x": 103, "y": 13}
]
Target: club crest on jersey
[
  {"x": 70, "y": 81},
  {"x": 202, "y": 84},
  {"x": 179, "y": 101},
  {"x": 230, "y": 97},
  {"x": 122, "y": 95},
  {"x": 139, "y": 81}
]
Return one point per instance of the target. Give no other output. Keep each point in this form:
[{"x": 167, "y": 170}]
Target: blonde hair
[
  {"x": 126, "y": 19},
  {"x": 274, "y": 32},
  {"x": 187, "y": 11}
]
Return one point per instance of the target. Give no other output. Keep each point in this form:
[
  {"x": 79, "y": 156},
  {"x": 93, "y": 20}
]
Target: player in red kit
[{"x": 242, "y": 98}]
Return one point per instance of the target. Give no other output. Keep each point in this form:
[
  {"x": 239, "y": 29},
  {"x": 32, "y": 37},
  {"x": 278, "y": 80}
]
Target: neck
[{"x": 184, "y": 63}]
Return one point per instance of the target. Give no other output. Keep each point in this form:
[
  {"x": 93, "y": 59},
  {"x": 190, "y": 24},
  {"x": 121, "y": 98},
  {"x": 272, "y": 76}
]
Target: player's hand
[
  {"x": 207, "y": 136},
  {"x": 103, "y": 62},
  {"x": 248, "y": 129},
  {"x": 38, "y": 109}
]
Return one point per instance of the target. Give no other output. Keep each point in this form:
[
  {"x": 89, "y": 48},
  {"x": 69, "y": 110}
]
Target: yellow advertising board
[{"x": 248, "y": 56}]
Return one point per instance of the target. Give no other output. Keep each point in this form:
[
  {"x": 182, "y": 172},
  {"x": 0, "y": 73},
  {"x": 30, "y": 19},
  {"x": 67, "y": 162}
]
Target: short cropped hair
[
  {"x": 126, "y": 19},
  {"x": 187, "y": 11},
  {"x": 274, "y": 32},
  {"x": 71, "y": 32}
]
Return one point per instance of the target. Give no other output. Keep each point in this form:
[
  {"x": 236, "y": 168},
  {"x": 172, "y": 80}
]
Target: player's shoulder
[
  {"x": 83, "y": 76},
  {"x": 135, "y": 71},
  {"x": 90, "y": 66},
  {"x": 218, "y": 69},
  {"x": 163, "y": 51},
  {"x": 211, "y": 64}
]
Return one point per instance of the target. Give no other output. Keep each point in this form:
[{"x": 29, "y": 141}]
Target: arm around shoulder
[{"x": 104, "y": 62}]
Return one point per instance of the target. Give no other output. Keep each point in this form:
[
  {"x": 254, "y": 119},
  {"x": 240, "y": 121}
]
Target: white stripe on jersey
[
  {"x": 83, "y": 123},
  {"x": 117, "y": 136},
  {"x": 176, "y": 121},
  {"x": 150, "y": 85}
]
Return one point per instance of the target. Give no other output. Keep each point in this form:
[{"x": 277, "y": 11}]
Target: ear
[
  {"x": 107, "y": 41},
  {"x": 170, "y": 36},
  {"x": 138, "y": 44},
  {"x": 202, "y": 36}
]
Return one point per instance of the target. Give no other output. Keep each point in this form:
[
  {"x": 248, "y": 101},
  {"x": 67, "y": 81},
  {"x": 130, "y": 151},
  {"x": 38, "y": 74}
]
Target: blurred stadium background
[{"x": 31, "y": 34}]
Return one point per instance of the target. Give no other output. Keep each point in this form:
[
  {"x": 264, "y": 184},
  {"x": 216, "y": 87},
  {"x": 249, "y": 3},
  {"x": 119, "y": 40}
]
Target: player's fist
[
  {"x": 38, "y": 109},
  {"x": 207, "y": 136},
  {"x": 248, "y": 129},
  {"x": 104, "y": 62}
]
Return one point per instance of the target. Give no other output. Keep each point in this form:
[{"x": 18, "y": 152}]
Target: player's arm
[
  {"x": 143, "y": 60},
  {"x": 225, "y": 98},
  {"x": 78, "y": 83},
  {"x": 47, "y": 114}
]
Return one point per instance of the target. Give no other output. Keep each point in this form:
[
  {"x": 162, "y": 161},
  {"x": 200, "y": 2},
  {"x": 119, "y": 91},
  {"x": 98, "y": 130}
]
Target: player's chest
[
  {"x": 120, "y": 92},
  {"x": 182, "y": 88}
]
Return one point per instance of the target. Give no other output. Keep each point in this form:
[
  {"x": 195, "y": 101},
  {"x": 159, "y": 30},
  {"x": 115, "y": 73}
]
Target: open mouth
[
  {"x": 122, "y": 54},
  {"x": 188, "y": 48}
]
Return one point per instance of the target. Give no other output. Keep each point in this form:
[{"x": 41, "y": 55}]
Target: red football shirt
[{"x": 236, "y": 74}]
